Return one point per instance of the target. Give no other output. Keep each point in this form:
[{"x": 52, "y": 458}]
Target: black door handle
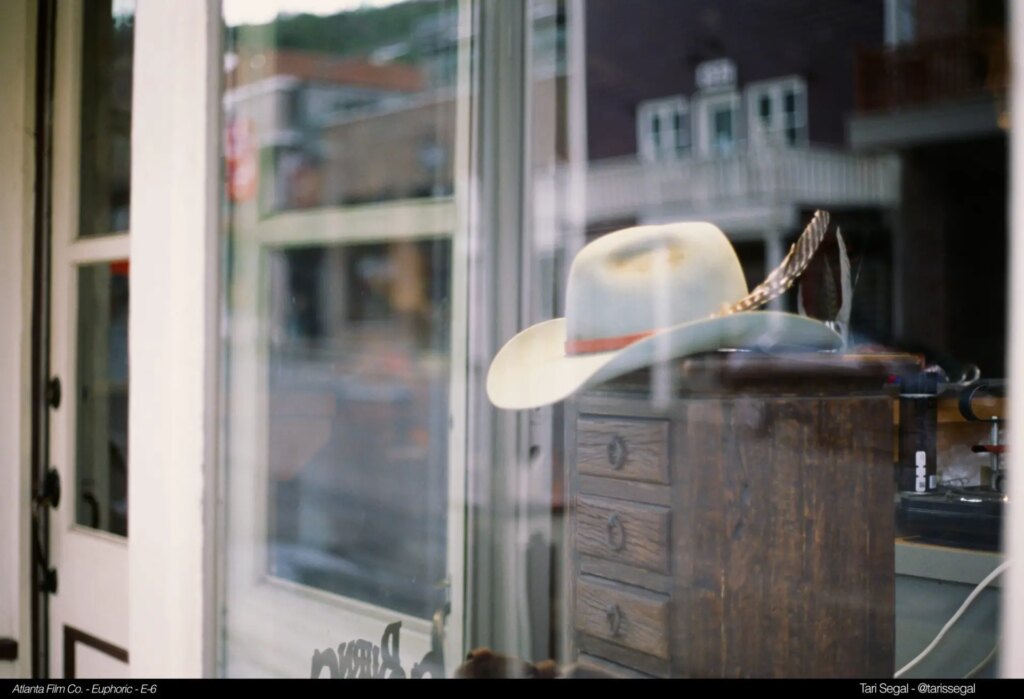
[
  {"x": 8, "y": 649},
  {"x": 53, "y": 392},
  {"x": 49, "y": 489}
]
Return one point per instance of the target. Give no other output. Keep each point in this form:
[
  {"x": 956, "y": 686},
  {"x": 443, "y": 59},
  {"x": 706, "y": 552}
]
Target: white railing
[{"x": 619, "y": 187}]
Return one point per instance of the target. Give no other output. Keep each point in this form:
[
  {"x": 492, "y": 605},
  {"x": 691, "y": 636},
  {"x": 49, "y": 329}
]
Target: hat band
[{"x": 603, "y": 344}]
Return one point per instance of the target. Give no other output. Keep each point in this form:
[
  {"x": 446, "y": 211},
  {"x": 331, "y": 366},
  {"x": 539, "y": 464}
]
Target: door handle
[
  {"x": 53, "y": 392},
  {"x": 8, "y": 649},
  {"x": 49, "y": 489}
]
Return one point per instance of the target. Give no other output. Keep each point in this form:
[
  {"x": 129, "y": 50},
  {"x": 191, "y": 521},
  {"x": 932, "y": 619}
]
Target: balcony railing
[
  {"x": 933, "y": 71},
  {"x": 623, "y": 187}
]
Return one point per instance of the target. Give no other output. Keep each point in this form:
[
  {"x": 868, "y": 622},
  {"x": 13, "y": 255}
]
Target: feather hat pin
[
  {"x": 789, "y": 270},
  {"x": 826, "y": 287}
]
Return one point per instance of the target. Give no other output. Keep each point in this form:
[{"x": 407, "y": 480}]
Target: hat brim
[{"x": 533, "y": 370}]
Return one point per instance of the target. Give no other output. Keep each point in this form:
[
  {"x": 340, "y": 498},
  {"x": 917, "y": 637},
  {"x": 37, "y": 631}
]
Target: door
[
  {"x": 344, "y": 336},
  {"x": 89, "y": 336}
]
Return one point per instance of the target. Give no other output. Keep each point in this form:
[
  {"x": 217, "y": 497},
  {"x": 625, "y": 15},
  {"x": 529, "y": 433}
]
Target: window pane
[
  {"x": 108, "y": 38},
  {"x": 340, "y": 142},
  {"x": 789, "y": 102},
  {"x": 883, "y": 140},
  {"x": 765, "y": 109},
  {"x": 722, "y": 128},
  {"x": 666, "y": 515},
  {"x": 681, "y": 128},
  {"x": 360, "y": 373},
  {"x": 350, "y": 119},
  {"x": 102, "y": 398}
]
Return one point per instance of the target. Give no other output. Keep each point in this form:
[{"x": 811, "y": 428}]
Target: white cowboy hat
[{"x": 647, "y": 294}]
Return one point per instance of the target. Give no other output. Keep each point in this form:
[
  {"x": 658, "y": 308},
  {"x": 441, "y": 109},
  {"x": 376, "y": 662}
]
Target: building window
[
  {"x": 663, "y": 129},
  {"x": 778, "y": 112},
  {"x": 719, "y": 126}
]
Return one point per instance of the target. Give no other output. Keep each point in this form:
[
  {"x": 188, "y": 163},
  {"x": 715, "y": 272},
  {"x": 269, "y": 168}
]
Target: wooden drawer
[
  {"x": 599, "y": 668},
  {"x": 623, "y": 615},
  {"x": 615, "y": 447},
  {"x": 623, "y": 531}
]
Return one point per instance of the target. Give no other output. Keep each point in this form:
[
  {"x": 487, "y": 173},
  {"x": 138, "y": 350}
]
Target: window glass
[
  {"x": 765, "y": 109},
  {"x": 722, "y": 136},
  {"x": 500, "y": 367},
  {"x": 108, "y": 39},
  {"x": 678, "y": 125},
  {"x": 340, "y": 146},
  {"x": 101, "y": 409},
  {"x": 878, "y": 102},
  {"x": 789, "y": 102}
]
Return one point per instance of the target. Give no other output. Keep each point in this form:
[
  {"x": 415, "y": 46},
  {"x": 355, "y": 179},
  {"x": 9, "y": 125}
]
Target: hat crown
[{"x": 647, "y": 278}]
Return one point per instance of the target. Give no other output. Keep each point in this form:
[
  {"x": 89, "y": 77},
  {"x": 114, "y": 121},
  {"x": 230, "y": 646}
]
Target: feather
[
  {"x": 830, "y": 292},
  {"x": 846, "y": 284},
  {"x": 792, "y": 266}
]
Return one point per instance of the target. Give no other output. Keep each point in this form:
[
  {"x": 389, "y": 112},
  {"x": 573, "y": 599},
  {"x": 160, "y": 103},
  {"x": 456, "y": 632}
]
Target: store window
[
  {"x": 505, "y": 394},
  {"x": 340, "y": 143}
]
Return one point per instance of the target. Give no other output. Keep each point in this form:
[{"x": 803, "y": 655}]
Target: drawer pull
[
  {"x": 617, "y": 452},
  {"x": 614, "y": 615},
  {"x": 616, "y": 533}
]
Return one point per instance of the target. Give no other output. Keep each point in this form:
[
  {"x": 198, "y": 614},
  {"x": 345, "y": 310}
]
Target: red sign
[{"x": 240, "y": 151}]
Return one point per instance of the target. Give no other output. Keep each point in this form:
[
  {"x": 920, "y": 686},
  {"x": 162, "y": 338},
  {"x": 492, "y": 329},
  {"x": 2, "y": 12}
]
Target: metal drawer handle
[
  {"x": 616, "y": 533},
  {"x": 617, "y": 452},
  {"x": 614, "y": 616}
]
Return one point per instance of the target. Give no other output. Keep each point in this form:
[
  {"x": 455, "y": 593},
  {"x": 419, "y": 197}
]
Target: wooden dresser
[{"x": 741, "y": 528}]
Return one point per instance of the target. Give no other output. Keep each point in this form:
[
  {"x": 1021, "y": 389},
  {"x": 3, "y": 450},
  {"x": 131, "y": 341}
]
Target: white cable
[{"x": 953, "y": 619}]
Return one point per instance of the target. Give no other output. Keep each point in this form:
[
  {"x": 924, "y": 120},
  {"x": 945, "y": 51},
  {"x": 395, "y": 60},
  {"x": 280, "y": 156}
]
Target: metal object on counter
[
  {"x": 994, "y": 449},
  {"x": 918, "y": 429},
  {"x": 968, "y": 516}
]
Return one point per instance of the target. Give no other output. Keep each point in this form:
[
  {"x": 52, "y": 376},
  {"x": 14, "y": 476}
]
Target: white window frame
[
  {"x": 679, "y": 142},
  {"x": 706, "y": 103},
  {"x": 775, "y": 133}
]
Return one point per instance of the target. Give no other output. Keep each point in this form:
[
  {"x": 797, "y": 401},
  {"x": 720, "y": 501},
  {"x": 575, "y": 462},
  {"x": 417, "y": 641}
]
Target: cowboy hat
[{"x": 648, "y": 294}]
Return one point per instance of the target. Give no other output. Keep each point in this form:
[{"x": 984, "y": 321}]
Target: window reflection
[
  {"x": 892, "y": 115},
  {"x": 355, "y": 120},
  {"x": 340, "y": 148},
  {"x": 339, "y": 138},
  {"x": 358, "y": 404}
]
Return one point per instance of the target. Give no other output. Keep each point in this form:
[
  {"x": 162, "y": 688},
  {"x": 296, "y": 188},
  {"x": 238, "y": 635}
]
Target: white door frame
[
  {"x": 92, "y": 565},
  {"x": 17, "y": 179},
  {"x": 174, "y": 280}
]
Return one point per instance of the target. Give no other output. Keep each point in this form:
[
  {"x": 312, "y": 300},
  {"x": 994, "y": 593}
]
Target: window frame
[
  {"x": 707, "y": 104},
  {"x": 665, "y": 110},
  {"x": 775, "y": 90}
]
